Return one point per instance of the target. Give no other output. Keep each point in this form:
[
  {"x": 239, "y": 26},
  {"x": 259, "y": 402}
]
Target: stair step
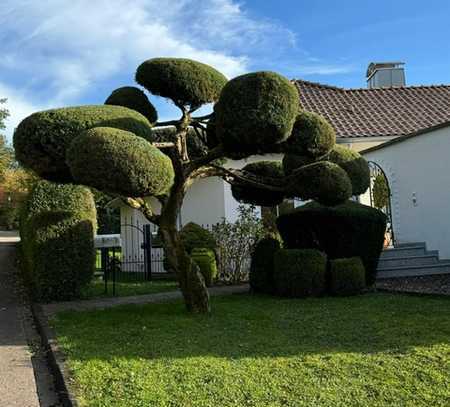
[
  {"x": 426, "y": 259},
  {"x": 414, "y": 244},
  {"x": 443, "y": 267},
  {"x": 403, "y": 252}
]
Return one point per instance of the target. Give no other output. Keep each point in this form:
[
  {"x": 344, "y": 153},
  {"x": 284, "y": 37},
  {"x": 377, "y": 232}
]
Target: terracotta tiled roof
[{"x": 377, "y": 112}]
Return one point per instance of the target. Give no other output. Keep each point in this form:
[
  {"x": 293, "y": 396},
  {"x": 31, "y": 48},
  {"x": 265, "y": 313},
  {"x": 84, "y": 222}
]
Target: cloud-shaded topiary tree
[{"x": 115, "y": 149}]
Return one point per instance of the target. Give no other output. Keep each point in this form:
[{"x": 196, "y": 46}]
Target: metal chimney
[{"x": 385, "y": 74}]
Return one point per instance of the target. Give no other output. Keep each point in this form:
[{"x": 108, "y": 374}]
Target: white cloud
[
  {"x": 324, "y": 69},
  {"x": 18, "y": 107}
]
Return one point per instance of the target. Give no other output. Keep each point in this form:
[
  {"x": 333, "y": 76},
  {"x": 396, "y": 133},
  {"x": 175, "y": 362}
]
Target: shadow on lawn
[{"x": 256, "y": 326}]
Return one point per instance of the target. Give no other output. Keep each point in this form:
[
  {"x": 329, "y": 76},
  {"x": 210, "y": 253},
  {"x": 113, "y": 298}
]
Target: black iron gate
[{"x": 380, "y": 198}]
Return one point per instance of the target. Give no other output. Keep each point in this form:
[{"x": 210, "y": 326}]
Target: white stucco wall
[{"x": 418, "y": 168}]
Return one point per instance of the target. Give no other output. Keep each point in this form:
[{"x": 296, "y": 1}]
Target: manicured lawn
[
  {"x": 97, "y": 288},
  {"x": 372, "y": 350}
]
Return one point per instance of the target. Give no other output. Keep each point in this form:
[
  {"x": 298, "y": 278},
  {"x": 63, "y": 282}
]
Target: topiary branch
[
  {"x": 204, "y": 118},
  {"x": 212, "y": 155}
]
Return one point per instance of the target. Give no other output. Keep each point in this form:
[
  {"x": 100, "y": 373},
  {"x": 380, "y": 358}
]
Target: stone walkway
[
  {"x": 51, "y": 309},
  {"x": 17, "y": 382}
]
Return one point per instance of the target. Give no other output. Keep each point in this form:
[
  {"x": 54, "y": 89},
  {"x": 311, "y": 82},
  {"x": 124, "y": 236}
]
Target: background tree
[
  {"x": 6, "y": 152},
  {"x": 113, "y": 148}
]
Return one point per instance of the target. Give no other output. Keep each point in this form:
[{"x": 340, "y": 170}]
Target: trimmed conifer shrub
[
  {"x": 194, "y": 236},
  {"x": 184, "y": 81},
  {"x": 117, "y": 161},
  {"x": 255, "y": 196},
  {"x": 300, "y": 273},
  {"x": 41, "y": 140},
  {"x": 262, "y": 265},
  {"x": 206, "y": 261},
  {"x": 255, "y": 111},
  {"x": 347, "y": 230},
  {"x": 133, "y": 98},
  {"x": 347, "y": 276},
  {"x": 57, "y": 227}
]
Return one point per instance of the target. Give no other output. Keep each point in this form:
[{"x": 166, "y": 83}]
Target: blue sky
[{"x": 59, "y": 53}]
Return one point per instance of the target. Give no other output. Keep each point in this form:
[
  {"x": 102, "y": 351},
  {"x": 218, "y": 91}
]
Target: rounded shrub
[
  {"x": 57, "y": 226},
  {"x": 311, "y": 135},
  {"x": 346, "y": 230},
  {"x": 117, "y": 161},
  {"x": 300, "y": 273},
  {"x": 347, "y": 276},
  {"x": 323, "y": 182},
  {"x": 293, "y": 161},
  {"x": 258, "y": 196},
  {"x": 256, "y": 111},
  {"x": 262, "y": 265},
  {"x": 355, "y": 165},
  {"x": 206, "y": 261},
  {"x": 194, "y": 236},
  {"x": 41, "y": 140},
  {"x": 184, "y": 81},
  {"x": 133, "y": 98}
]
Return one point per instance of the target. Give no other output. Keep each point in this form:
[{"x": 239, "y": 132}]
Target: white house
[{"x": 363, "y": 119}]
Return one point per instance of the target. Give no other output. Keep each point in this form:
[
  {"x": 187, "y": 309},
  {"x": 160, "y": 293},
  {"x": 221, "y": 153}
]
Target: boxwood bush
[
  {"x": 347, "y": 276},
  {"x": 57, "y": 226},
  {"x": 194, "y": 236},
  {"x": 347, "y": 230},
  {"x": 261, "y": 267},
  {"x": 206, "y": 261},
  {"x": 300, "y": 273}
]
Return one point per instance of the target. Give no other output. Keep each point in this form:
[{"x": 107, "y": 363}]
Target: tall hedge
[
  {"x": 57, "y": 227},
  {"x": 347, "y": 230}
]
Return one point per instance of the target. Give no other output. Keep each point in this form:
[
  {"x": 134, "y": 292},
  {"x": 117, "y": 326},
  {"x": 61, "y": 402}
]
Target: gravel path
[{"x": 439, "y": 284}]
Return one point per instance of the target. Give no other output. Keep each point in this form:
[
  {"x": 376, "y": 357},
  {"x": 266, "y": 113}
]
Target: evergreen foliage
[
  {"x": 347, "y": 276},
  {"x": 299, "y": 273},
  {"x": 262, "y": 265},
  {"x": 256, "y": 111},
  {"x": 117, "y": 161},
  {"x": 133, "y": 98},
  {"x": 206, "y": 261},
  {"x": 57, "y": 226},
  {"x": 346, "y": 230},
  {"x": 41, "y": 140},
  {"x": 185, "y": 82}
]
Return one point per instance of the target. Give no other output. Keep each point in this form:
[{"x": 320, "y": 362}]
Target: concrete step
[
  {"x": 423, "y": 260},
  {"x": 404, "y": 251},
  {"x": 443, "y": 267},
  {"x": 411, "y": 244}
]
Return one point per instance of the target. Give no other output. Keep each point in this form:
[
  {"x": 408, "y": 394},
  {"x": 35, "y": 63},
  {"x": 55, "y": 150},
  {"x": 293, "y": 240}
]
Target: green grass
[
  {"x": 371, "y": 350},
  {"x": 124, "y": 288}
]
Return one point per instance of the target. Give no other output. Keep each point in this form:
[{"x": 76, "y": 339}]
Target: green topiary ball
[
  {"x": 41, "y": 140},
  {"x": 133, "y": 98},
  {"x": 185, "y": 82},
  {"x": 194, "y": 236},
  {"x": 256, "y": 111},
  {"x": 323, "y": 182},
  {"x": 293, "y": 161},
  {"x": 347, "y": 276},
  {"x": 355, "y": 165},
  {"x": 311, "y": 135},
  {"x": 257, "y": 196},
  {"x": 119, "y": 162},
  {"x": 300, "y": 273}
]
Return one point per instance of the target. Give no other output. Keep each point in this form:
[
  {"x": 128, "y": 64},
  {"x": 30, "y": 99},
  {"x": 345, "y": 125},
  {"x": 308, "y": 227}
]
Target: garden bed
[{"x": 375, "y": 349}]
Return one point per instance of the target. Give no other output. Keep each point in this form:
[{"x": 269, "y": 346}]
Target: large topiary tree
[{"x": 118, "y": 148}]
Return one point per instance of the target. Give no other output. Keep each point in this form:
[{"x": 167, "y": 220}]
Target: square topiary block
[
  {"x": 262, "y": 265},
  {"x": 347, "y": 276},
  {"x": 300, "y": 273}
]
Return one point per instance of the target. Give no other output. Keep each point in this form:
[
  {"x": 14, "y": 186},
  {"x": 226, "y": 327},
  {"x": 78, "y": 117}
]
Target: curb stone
[{"x": 55, "y": 357}]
